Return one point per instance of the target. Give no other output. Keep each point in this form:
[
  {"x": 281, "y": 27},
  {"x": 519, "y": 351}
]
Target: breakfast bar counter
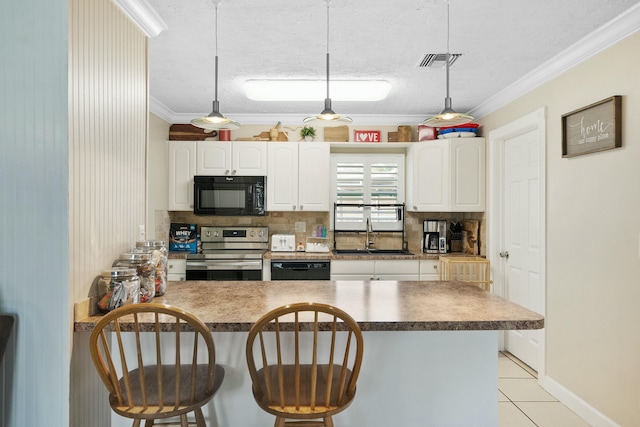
[
  {"x": 375, "y": 305},
  {"x": 430, "y": 355}
]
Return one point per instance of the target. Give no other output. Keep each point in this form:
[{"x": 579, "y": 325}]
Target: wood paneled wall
[
  {"x": 108, "y": 80},
  {"x": 107, "y": 137}
]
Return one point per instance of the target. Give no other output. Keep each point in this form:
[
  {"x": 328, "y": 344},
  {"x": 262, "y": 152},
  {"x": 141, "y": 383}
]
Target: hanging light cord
[
  {"x": 448, "y": 54},
  {"x": 216, "y": 3},
  {"x": 328, "y": 1}
]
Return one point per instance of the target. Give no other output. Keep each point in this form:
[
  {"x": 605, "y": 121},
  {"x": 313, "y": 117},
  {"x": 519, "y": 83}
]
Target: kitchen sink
[{"x": 371, "y": 252}]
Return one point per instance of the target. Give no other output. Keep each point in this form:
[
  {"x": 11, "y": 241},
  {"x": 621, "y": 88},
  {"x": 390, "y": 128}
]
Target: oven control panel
[{"x": 234, "y": 234}]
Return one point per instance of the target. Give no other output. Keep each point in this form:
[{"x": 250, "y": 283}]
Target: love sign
[{"x": 366, "y": 136}]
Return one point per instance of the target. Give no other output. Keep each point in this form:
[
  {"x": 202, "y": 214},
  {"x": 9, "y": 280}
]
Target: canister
[
  {"x": 145, "y": 269},
  {"x": 118, "y": 286},
  {"x": 159, "y": 258}
]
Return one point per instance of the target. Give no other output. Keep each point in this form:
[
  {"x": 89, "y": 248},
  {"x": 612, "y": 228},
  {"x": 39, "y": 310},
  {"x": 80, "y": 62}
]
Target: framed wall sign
[{"x": 593, "y": 128}]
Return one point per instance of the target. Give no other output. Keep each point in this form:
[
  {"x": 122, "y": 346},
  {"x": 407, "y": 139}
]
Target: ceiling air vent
[{"x": 437, "y": 60}]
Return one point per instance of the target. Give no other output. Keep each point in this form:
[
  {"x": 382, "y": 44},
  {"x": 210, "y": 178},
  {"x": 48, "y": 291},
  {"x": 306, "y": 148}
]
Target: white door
[
  {"x": 518, "y": 226},
  {"x": 521, "y": 241}
]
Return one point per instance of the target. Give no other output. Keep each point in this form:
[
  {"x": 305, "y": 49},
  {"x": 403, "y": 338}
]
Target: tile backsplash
[{"x": 285, "y": 223}]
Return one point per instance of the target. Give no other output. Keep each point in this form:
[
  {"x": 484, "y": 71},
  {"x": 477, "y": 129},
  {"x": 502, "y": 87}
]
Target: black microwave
[{"x": 229, "y": 195}]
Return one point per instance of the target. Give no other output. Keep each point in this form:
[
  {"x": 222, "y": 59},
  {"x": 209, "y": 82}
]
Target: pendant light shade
[
  {"x": 448, "y": 116},
  {"x": 215, "y": 120},
  {"x": 327, "y": 117}
]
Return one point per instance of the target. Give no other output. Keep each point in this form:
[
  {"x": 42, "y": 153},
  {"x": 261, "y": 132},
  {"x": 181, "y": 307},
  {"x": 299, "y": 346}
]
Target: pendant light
[
  {"x": 327, "y": 117},
  {"x": 448, "y": 116},
  {"x": 215, "y": 120}
]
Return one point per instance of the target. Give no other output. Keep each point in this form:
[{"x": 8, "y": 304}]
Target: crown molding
[
  {"x": 159, "y": 109},
  {"x": 609, "y": 34},
  {"x": 143, "y": 15},
  {"x": 169, "y": 116}
]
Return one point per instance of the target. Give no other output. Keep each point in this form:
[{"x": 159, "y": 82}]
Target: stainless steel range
[{"x": 229, "y": 253}]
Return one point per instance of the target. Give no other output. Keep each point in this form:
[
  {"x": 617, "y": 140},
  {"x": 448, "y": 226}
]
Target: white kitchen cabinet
[
  {"x": 429, "y": 269},
  {"x": 182, "y": 168},
  {"x": 298, "y": 176},
  {"x": 375, "y": 269},
  {"x": 241, "y": 158},
  {"x": 176, "y": 270},
  {"x": 397, "y": 269},
  {"x": 447, "y": 175}
]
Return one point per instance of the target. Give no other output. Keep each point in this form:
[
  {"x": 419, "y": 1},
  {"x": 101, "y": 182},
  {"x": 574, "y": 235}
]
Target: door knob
[{"x": 504, "y": 254}]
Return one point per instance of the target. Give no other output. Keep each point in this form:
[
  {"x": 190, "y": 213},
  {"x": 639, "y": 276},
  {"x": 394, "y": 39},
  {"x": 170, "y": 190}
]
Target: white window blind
[{"x": 375, "y": 179}]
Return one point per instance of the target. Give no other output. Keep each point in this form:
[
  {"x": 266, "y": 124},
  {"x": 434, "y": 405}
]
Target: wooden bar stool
[
  {"x": 304, "y": 360},
  {"x": 160, "y": 377}
]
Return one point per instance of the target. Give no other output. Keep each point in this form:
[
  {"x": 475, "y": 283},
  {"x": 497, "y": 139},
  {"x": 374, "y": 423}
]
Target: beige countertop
[{"x": 376, "y": 305}]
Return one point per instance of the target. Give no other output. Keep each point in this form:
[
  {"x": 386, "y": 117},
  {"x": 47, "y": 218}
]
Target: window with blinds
[{"x": 375, "y": 179}]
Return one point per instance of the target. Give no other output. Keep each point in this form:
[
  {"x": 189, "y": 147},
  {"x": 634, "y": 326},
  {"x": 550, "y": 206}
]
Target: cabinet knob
[
  {"x": 504, "y": 254},
  {"x": 301, "y": 207},
  {"x": 415, "y": 208},
  {"x": 226, "y": 172},
  {"x": 294, "y": 207},
  {"x": 233, "y": 172}
]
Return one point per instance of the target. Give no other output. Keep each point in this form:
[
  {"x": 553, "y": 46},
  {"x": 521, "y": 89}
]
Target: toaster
[{"x": 283, "y": 243}]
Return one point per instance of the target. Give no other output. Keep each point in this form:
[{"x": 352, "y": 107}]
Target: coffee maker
[{"x": 434, "y": 236}]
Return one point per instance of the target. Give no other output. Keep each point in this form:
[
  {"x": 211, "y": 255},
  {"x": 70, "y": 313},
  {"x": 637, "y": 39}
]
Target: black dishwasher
[{"x": 300, "y": 270}]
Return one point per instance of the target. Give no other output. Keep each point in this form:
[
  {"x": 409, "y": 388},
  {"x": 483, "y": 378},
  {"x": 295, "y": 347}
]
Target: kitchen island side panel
[{"x": 412, "y": 378}]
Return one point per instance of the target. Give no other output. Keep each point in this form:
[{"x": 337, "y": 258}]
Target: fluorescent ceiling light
[{"x": 316, "y": 90}]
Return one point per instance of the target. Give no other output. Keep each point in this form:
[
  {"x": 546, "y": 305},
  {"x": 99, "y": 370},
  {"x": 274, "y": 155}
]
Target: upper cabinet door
[
  {"x": 249, "y": 158},
  {"x": 468, "y": 177},
  {"x": 447, "y": 175},
  {"x": 214, "y": 158},
  {"x": 282, "y": 176},
  {"x": 241, "y": 158},
  {"x": 182, "y": 168},
  {"x": 313, "y": 176},
  {"x": 428, "y": 187}
]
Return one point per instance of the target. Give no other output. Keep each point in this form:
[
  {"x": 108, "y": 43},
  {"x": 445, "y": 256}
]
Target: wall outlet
[
  {"x": 300, "y": 227},
  {"x": 141, "y": 232}
]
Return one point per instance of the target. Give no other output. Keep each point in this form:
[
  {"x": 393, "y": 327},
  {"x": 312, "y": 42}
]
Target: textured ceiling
[{"x": 500, "y": 41}]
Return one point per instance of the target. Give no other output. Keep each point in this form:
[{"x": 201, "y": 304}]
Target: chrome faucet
[{"x": 369, "y": 229}]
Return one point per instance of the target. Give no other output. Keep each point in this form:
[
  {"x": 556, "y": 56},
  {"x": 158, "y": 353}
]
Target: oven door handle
[{"x": 224, "y": 265}]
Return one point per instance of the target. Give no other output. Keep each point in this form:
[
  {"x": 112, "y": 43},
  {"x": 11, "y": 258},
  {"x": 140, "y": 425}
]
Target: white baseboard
[{"x": 575, "y": 403}]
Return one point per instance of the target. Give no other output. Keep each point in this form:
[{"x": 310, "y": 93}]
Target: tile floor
[{"x": 523, "y": 403}]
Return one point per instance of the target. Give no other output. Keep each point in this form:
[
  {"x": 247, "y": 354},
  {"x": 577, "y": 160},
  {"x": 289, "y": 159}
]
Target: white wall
[
  {"x": 34, "y": 223},
  {"x": 593, "y": 233},
  {"x": 158, "y": 183}
]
